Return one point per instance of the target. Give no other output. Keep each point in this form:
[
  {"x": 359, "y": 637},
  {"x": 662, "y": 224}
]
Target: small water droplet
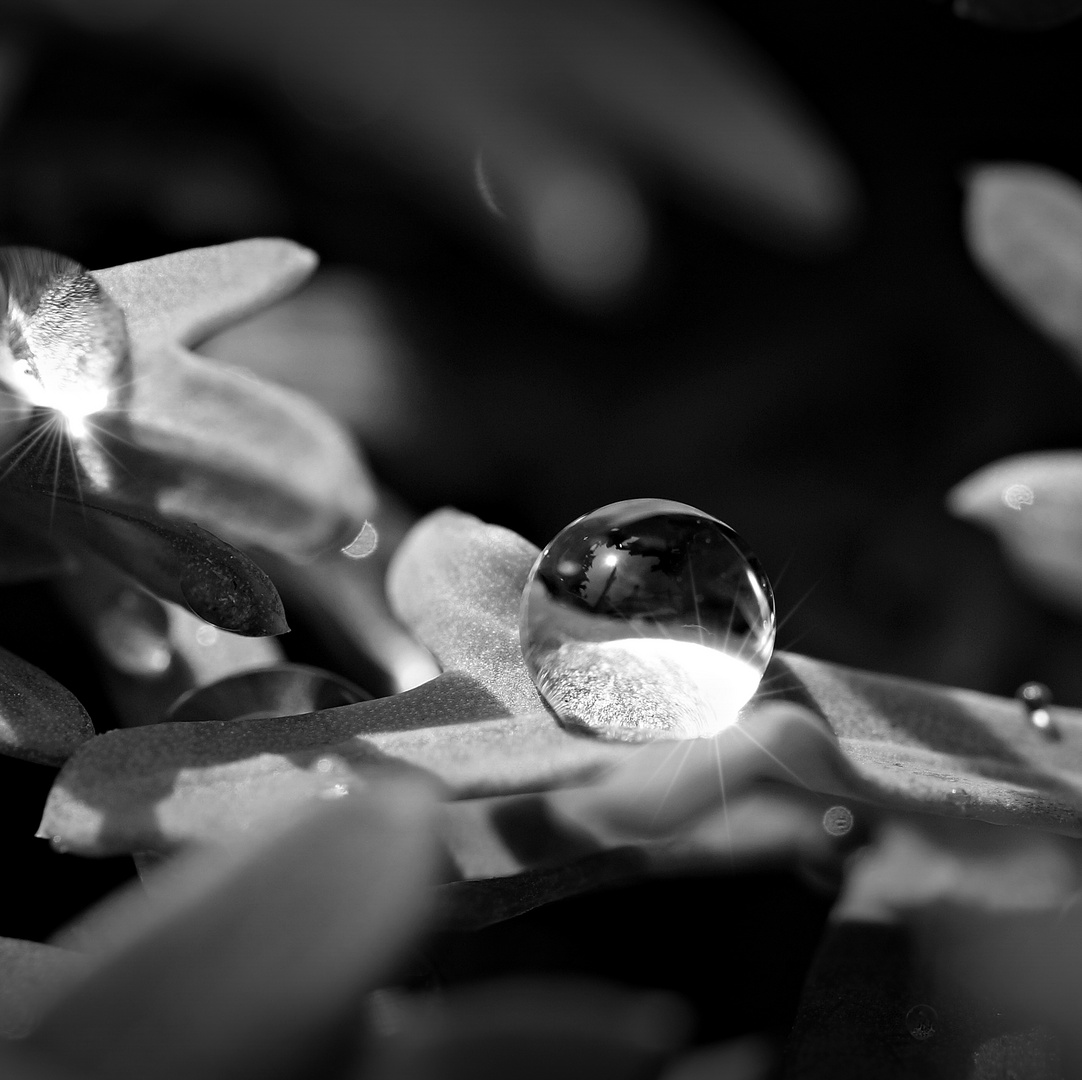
[
  {"x": 133, "y": 633},
  {"x": 207, "y": 635},
  {"x": 364, "y": 543},
  {"x": 324, "y": 765},
  {"x": 1036, "y": 697},
  {"x": 63, "y": 342},
  {"x": 1017, "y": 495},
  {"x": 647, "y": 619},
  {"x": 838, "y": 821},
  {"x": 921, "y": 1022}
]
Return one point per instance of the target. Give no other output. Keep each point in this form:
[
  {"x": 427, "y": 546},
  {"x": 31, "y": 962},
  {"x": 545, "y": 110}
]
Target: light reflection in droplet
[
  {"x": 647, "y": 619},
  {"x": 63, "y": 341}
]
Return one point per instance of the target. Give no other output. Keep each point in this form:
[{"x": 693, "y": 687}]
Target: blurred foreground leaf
[
  {"x": 1033, "y": 504},
  {"x": 1023, "y": 225},
  {"x": 30, "y": 976},
  {"x": 245, "y": 964}
]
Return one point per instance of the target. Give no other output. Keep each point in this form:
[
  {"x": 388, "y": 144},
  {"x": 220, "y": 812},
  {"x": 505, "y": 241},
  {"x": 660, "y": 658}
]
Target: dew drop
[
  {"x": 647, "y": 619},
  {"x": 207, "y": 635},
  {"x": 63, "y": 342},
  {"x": 364, "y": 543},
  {"x": 921, "y": 1022},
  {"x": 1036, "y": 697},
  {"x": 838, "y": 821}
]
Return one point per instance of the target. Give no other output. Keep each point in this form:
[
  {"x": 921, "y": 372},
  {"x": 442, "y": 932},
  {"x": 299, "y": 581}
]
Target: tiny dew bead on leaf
[{"x": 647, "y": 619}]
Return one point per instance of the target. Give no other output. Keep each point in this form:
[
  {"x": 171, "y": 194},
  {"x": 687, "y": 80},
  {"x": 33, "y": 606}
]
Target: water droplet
[
  {"x": 838, "y": 821},
  {"x": 1017, "y": 495},
  {"x": 1037, "y": 698},
  {"x": 133, "y": 633},
  {"x": 207, "y": 635},
  {"x": 281, "y": 690},
  {"x": 63, "y": 342},
  {"x": 647, "y": 619},
  {"x": 364, "y": 543},
  {"x": 324, "y": 765},
  {"x": 921, "y": 1022}
]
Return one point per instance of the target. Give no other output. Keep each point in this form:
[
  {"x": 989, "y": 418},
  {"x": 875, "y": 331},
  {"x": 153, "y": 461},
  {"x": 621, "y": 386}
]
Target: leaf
[
  {"x": 259, "y": 463},
  {"x": 40, "y": 720},
  {"x": 152, "y": 788},
  {"x": 256, "y": 950},
  {"x": 344, "y": 603},
  {"x": 1023, "y": 225},
  {"x": 153, "y": 651},
  {"x": 542, "y": 1028},
  {"x": 177, "y": 561},
  {"x": 30, "y": 975},
  {"x": 481, "y": 731},
  {"x": 457, "y": 584},
  {"x": 1019, "y": 14},
  {"x": 1033, "y": 505}
]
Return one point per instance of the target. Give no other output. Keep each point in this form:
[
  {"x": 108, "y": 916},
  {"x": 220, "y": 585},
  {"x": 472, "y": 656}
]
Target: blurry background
[{"x": 818, "y": 390}]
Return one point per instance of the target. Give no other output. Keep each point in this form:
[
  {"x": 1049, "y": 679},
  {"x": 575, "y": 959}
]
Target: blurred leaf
[
  {"x": 482, "y": 731},
  {"x": 255, "y": 951},
  {"x": 1023, "y": 225},
  {"x": 1019, "y": 14},
  {"x": 539, "y": 1028},
  {"x": 1033, "y": 504},
  {"x": 30, "y": 975},
  {"x": 39, "y": 720},
  {"x": 918, "y": 862},
  {"x": 27, "y": 557}
]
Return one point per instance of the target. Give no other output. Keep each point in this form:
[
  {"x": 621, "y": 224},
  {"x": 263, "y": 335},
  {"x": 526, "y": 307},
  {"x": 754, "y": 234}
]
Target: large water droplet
[
  {"x": 63, "y": 342},
  {"x": 647, "y": 619}
]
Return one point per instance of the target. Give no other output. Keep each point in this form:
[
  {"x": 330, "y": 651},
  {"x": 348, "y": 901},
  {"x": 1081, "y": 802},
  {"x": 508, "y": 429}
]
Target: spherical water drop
[
  {"x": 63, "y": 342},
  {"x": 838, "y": 821},
  {"x": 921, "y": 1021},
  {"x": 647, "y": 619}
]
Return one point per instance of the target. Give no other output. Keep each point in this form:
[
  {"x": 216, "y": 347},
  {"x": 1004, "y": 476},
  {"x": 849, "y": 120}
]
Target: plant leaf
[
  {"x": 1033, "y": 505},
  {"x": 40, "y": 720},
  {"x": 175, "y": 560},
  {"x": 907, "y": 744},
  {"x": 255, "y": 950},
  {"x": 254, "y": 461},
  {"x": 30, "y": 975},
  {"x": 1023, "y": 225},
  {"x": 571, "y": 1028}
]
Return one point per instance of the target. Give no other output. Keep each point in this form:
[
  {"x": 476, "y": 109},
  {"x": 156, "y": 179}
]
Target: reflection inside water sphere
[{"x": 647, "y": 619}]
